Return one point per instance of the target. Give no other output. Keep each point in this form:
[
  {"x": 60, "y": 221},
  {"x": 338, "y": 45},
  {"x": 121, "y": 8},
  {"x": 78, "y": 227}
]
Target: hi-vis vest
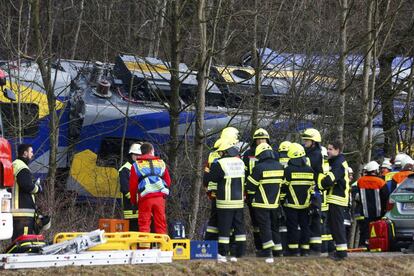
[
  {"x": 230, "y": 191},
  {"x": 17, "y": 211},
  {"x": 150, "y": 174},
  {"x": 130, "y": 211}
]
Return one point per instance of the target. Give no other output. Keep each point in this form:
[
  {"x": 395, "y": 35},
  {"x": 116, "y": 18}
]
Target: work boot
[
  {"x": 221, "y": 258},
  {"x": 269, "y": 260},
  {"x": 337, "y": 257}
]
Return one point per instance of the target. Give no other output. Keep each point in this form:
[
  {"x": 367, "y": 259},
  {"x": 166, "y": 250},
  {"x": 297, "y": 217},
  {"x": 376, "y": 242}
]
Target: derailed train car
[{"x": 99, "y": 104}]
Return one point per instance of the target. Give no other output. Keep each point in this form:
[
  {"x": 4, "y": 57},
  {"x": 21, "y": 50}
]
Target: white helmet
[
  {"x": 386, "y": 164},
  {"x": 372, "y": 166},
  {"x": 350, "y": 170},
  {"x": 401, "y": 160},
  {"x": 135, "y": 149}
]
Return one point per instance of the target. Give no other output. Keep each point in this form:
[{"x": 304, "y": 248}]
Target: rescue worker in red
[
  {"x": 149, "y": 186},
  {"x": 368, "y": 200},
  {"x": 24, "y": 206}
]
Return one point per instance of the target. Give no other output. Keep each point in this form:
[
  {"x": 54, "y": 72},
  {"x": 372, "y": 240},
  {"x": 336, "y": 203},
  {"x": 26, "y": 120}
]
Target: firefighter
[
  {"x": 249, "y": 159},
  {"x": 212, "y": 230},
  {"x": 299, "y": 179},
  {"x": 130, "y": 211},
  {"x": 24, "y": 206},
  {"x": 150, "y": 180},
  {"x": 311, "y": 140},
  {"x": 283, "y": 159},
  {"x": 231, "y": 135},
  {"x": 326, "y": 236},
  {"x": 368, "y": 201},
  {"x": 227, "y": 182},
  {"x": 283, "y": 149},
  {"x": 263, "y": 185},
  {"x": 336, "y": 183}
]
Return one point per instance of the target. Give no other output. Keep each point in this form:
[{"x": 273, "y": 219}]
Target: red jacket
[{"x": 134, "y": 180}]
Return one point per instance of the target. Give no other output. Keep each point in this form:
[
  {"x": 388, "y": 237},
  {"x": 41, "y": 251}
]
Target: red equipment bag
[
  {"x": 381, "y": 235},
  {"x": 27, "y": 244}
]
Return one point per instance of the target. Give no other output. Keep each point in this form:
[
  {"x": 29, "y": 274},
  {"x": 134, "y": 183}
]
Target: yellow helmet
[
  {"x": 219, "y": 142},
  {"x": 312, "y": 134},
  {"x": 230, "y": 133},
  {"x": 284, "y": 146},
  {"x": 261, "y": 134},
  {"x": 261, "y": 148},
  {"x": 225, "y": 145},
  {"x": 295, "y": 151}
]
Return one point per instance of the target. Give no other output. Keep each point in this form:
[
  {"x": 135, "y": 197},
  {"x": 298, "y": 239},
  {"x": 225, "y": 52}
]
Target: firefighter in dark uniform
[
  {"x": 130, "y": 211},
  {"x": 299, "y": 180},
  {"x": 336, "y": 183},
  {"x": 230, "y": 134},
  {"x": 283, "y": 160},
  {"x": 24, "y": 206},
  {"x": 312, "y": 139},
  {"x": 368, "y": 200},
  {"x": 327, "y": 240},
  {"x": 227, "y": 182},
  {"x": 249, "y": 159},
  {"x": 263, "y": 185},
  {"x": 212, "y": 230}
]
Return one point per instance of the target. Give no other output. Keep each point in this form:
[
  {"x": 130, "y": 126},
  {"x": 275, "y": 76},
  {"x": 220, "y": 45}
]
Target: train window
[
  {"x": 109, "y": 151},
  {"x": 29, "y": 119}
]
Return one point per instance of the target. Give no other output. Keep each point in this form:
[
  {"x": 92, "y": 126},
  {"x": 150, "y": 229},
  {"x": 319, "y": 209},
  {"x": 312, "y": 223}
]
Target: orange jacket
[{"x": 370, "y": 182}]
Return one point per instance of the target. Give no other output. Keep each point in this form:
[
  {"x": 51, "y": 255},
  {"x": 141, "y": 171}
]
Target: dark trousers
[
  {"x": 327, "y": 240},
  {"x": 315, "y": 226},
  {"x": 337, "y": 226},
  {"x": 256, "y": 231},
  {"x": 364, "y": 230},
  {"x": 283, "y": 230},
  {"x": 212, "y": 229},
  {"x": 268, "y": 222},
  {"x": 295, "y": 218},
  {"x": 23, "y": 226},
  {"x": 226, "y": 219},
  {"x": 133, "y": 224}
]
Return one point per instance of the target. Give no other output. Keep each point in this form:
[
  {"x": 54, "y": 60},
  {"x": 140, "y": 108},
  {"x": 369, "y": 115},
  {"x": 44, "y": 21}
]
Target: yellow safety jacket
[
  {"x": 24, "y": 204},
  {"x": 130, "y": 211}
]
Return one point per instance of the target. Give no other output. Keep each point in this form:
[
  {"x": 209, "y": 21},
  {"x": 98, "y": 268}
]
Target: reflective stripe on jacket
[
  {"x": 228, "y": 174},
  {"x": 299, "y": 180}
]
